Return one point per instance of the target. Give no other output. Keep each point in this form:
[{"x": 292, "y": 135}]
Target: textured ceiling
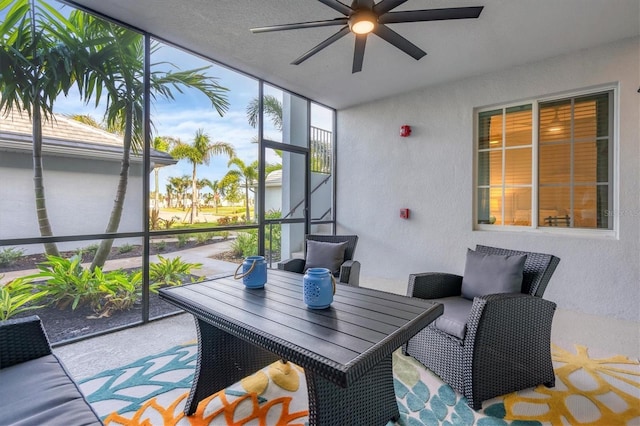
[{"x": 508, "y": 33}]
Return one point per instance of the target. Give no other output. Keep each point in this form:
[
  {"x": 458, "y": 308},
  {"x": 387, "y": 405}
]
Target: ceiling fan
[{"x": 366, "y": 16}]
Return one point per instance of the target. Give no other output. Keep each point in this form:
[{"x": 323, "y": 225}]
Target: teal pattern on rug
[
  {"x": 150, "y": 376},
  {"x": 423, "y": 399}
]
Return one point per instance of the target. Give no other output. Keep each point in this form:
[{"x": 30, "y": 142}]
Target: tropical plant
[
  {"x": 10, "y": 255},
  {"x": 67, "y": 283},
  {"x": 170, "y": 272},
  {"x": 18, "y": 296},
  {"x": 36, "y": 67},
  {"x": 120, "y": 291},
  {"x": 200, "y": 152}
]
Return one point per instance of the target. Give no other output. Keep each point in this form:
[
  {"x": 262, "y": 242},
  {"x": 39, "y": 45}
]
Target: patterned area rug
[{"x": 590, "y": 390}]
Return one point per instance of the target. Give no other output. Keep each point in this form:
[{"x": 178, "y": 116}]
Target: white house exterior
[{"x": 81, "y": 171}]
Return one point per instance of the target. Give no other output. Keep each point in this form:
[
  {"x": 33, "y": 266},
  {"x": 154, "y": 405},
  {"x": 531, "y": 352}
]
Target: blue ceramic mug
[
  {"x": 318, "y": 288},
  {"x": 254, "y": 272}
]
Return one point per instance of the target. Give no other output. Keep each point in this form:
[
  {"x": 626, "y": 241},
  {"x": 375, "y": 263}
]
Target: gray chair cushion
[
  {"x": 492, "y": 273},
  {"x": 39, "y": 392},
  {"x": 454, "y": 319},
  {"x": 325, "y": 255}
]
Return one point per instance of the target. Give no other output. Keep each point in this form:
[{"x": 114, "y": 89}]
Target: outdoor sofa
[{"x": 35, "y": 387}]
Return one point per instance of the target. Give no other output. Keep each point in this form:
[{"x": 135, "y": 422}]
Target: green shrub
[
  {"x": 10, "y": 255},
  {"x": 183, "y": 239},
  {"x": 246, "y": 243},
  {"x": 170, "y": 272},
  {"x": 125, "y": 248},
  {"x": 203, "y": 237},
  {"x": 223, "y": 234},
  {"x": 90, "y": 249},
  {"x": 18, "y": 296},
  {"x": 161, "y": 245}
]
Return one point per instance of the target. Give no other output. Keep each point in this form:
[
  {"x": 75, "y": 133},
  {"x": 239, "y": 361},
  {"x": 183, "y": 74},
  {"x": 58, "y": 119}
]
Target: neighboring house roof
[
  {"x": 70, "y": 138},
  {"x": 274, "y": 178}
]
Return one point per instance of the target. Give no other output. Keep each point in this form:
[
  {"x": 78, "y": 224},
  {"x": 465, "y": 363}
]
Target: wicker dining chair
[
  {"x": 345, "y": 269},
  {"x": 505, "y": 344}
]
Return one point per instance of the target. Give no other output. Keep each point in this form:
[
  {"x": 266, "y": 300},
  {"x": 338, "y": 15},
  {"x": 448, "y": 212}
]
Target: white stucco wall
[
  {"x": 431, "y": 173},
  {"x": 79, "y": 194}
]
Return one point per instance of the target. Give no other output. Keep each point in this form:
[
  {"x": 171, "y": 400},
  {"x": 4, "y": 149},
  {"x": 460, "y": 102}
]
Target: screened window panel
[{"x": 518, "y": 166}]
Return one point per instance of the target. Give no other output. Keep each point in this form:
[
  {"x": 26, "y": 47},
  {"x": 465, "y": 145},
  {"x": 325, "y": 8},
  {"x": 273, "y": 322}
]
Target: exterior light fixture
[{"x": 362, "y": 22}]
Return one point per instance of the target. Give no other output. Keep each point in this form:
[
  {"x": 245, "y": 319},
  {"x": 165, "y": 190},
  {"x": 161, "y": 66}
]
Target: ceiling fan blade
[
  {"x": 431, "y": 15},
  {"x": 336, "y": 5},
  {"x": 358, "y": 53},
  {"x": 386, "y": 5},
  {"x": 398, "y": 41},
  {"x": 344, "y": 31},
  {"x": 310, "y": 24}
]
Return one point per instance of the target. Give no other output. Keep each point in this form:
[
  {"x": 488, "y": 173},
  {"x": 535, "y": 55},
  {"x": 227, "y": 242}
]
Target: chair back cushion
[
  {"x": 538, "y": 268},
  {"x": 325, "y": 255},
  {"x": 492, "y": 273}
]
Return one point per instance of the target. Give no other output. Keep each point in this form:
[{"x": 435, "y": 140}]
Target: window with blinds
[{"x": 564, "y": 179}]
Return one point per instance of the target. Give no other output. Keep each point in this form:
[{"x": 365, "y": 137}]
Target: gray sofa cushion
[
  {"x": 492, "y": 273},
  {"x": 454, "y": 319},
  {"x": 40, "y": 392},
  {"x": 325, "y": 255}
]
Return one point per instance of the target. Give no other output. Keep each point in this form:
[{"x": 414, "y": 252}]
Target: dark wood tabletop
[{"x": 361, "y": 327}]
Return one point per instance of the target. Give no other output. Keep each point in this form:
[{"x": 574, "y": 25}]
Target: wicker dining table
[{"x": 345, "y": 350}]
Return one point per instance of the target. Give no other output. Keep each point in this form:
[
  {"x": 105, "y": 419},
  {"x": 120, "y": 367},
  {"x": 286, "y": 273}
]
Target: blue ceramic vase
[
  {"x": 254, "y": 272},
  {"x": 319, "y": 286}
]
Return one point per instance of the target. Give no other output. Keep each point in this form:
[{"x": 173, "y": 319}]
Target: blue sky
[{"x": 191, "y": 110}]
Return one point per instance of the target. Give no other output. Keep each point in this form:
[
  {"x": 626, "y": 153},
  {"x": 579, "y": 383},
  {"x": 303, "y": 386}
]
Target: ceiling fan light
[{"x": 362, "y": 22}]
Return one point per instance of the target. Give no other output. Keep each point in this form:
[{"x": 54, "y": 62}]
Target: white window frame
[{"x": 614, "y": 172}]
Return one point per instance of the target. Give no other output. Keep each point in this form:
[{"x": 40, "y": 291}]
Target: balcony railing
[{"x": 321, "y": 150}]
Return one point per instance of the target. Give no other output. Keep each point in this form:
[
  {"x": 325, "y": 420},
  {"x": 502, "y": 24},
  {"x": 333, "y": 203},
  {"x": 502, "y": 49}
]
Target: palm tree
[
  {"x": 162, "y": 144},
  {"x": 35, "y": 67},
  {"x": 180, "y": 185},
  {"x": 200, "y": 152},
  {"x": 246, "y": 176},
  {"x": 272, "y": 107},
  {"x": 217, "y": 190},
  {"x": 114, "y": 63}
]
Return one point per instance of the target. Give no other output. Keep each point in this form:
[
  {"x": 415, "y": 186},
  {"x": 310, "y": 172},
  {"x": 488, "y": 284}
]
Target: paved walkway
[{"x": 200, "y": 254}]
